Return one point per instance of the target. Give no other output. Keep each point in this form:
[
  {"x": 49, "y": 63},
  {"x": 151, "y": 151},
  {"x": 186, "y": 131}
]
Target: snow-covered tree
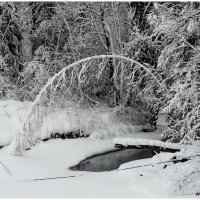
[
  {"x": 179, "y": 68},
  {"x": 38, "y": 39},
  {"x": 80, "y": 83}
]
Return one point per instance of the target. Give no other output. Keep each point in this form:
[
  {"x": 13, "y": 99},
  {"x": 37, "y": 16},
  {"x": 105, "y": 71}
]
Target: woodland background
[{"x": 38, "y": 39}]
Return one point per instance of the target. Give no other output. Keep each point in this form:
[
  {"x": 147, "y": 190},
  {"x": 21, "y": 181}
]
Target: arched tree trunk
[{"x": 25, "y": 139}]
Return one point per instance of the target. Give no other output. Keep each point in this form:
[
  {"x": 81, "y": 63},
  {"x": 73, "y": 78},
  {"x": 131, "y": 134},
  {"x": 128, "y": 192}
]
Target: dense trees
[{"x": 38, "y": 39}]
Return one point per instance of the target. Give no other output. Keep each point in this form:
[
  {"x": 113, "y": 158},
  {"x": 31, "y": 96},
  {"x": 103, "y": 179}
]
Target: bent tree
[{"x": 87, "y": 83}]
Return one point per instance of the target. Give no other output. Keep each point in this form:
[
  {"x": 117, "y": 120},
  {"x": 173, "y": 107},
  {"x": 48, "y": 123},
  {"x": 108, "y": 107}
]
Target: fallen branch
[
  {"x": 6, "y": 168},
  {"x": 51, "y": 178},
  {"x": 155, "y": 145}
]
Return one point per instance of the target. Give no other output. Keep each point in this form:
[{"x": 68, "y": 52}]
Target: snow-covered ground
[{"x": 52, "y": 158}]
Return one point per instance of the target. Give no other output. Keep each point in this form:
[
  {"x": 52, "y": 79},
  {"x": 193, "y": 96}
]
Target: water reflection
[{"x": 111, "y": 160}]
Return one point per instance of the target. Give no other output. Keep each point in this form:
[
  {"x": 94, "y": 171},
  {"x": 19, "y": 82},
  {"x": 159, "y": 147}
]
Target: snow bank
[
  {"x": 162, "y": 157},
  {"x": 98, "y": 123},
  {"x": 146, "y": 142},
  {"x": 52, "y": 159},
  {"x": 184, "y": 178},
  {"x": 12, "y": 114},
  {"x": 181, "y": 179}
]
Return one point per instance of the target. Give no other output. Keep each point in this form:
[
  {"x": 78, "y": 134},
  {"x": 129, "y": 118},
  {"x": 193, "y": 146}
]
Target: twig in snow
[
  {"x": 6, "y": 168},
  {"x": 51, "y": 178}
]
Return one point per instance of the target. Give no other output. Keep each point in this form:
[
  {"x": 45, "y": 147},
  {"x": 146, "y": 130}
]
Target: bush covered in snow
[
  {"x": 101, "y": 122},
  {"x": 97, "y": 123}
]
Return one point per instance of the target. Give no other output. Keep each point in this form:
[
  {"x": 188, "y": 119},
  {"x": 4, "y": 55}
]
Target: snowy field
[{"x": 52, "y": 158}]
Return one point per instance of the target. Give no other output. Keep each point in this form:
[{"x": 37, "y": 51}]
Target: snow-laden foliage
[
  {"x": 181, "y": 102},
  {"x": 6, "y": 90},
  {"x": 178, "y": 66},
  {"x": 38, "y": 71},
  {"x": 86, "y": 84},
  {"x": 39, "y": 39},
  {"x": 95, "y": 122},
  {"x": 98, "y": 122}
]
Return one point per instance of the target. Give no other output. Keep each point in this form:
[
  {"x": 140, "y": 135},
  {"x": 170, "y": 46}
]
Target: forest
[{"x": 132, "y": 60}]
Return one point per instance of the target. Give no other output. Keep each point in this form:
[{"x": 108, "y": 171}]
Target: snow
[
  {"x": 12, "y": 114},
  {"x": 162, "y": 120},
  {"x": 141, "y": 141},
  {"x": 97, "y": 123},
  {"x": 184, "y": 178},
  {"x": 52, "y": 159}
]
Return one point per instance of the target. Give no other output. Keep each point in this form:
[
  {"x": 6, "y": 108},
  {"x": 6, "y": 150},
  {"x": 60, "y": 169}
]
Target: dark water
[{"x": 111, "y": 160}]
